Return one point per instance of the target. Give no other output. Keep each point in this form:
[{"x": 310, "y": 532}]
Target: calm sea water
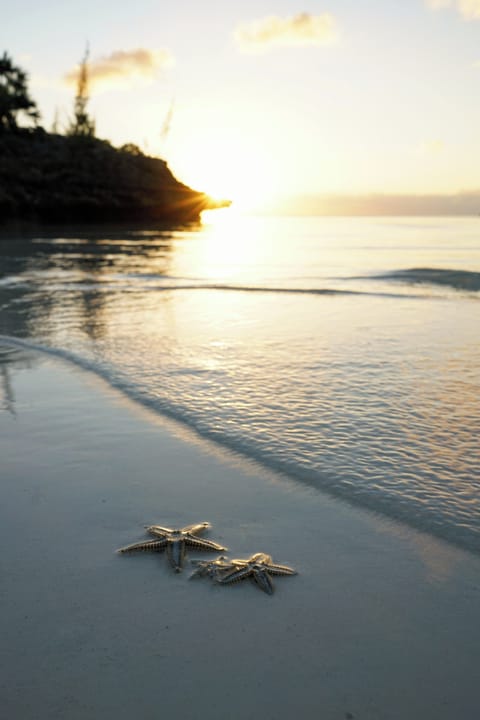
[{"x": 344, "y": 352}]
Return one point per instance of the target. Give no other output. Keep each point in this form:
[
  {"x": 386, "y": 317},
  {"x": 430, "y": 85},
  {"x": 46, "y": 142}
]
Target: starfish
[
  {"x": 258, "y": 567},
  {"x": 174, "y": 542},
  {"x": 211, "y": 568}
]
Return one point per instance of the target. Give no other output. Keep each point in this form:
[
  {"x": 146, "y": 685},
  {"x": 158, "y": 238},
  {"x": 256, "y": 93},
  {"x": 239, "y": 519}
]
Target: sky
[{"x": 262, "y": 99}]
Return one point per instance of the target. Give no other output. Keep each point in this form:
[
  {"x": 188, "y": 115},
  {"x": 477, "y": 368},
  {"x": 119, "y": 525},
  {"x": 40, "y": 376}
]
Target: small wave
[
  {"x": 458, "y": 279},
  {"x": 279, "y": 290},
  {"x": 148, "y": 283}
]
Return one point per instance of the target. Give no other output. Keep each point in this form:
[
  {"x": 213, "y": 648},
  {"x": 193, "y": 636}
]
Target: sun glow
[{"x": 229, "y": 169}]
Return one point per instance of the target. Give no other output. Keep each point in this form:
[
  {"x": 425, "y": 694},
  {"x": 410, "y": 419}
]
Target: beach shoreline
[{"x": 381, "y": 621}]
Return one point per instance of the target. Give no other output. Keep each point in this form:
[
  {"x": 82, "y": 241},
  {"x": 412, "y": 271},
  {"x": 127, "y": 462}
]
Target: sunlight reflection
[{"x": 229, "y": 246}]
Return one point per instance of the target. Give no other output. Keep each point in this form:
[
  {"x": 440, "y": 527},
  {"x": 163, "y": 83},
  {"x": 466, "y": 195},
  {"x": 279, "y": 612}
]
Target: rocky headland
[{"x": 48, "y": 177}]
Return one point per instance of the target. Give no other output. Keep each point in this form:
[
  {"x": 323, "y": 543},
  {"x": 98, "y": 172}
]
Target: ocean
[{"x": 343, "y": 352}]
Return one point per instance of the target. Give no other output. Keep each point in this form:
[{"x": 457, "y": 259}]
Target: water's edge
[{"x": 353, "y": 495}]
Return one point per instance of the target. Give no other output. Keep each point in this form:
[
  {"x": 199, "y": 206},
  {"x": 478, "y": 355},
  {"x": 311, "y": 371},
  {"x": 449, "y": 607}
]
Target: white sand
[{"x": 382, "y": 622}]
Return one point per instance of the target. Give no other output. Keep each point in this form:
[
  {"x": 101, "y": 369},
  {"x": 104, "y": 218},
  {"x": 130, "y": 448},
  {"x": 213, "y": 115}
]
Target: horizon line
[{"x": 463, "y": 203}]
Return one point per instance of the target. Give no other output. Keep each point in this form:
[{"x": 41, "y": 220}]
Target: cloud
[
  {"x": 124, "y": 67},
  {"x": 300, "y": 30},
  {"x": 469, "y": 9}
]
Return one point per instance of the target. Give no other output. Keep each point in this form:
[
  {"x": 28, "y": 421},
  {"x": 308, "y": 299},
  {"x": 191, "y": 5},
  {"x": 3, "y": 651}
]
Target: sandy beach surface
[{"x": 381, "y": 622}]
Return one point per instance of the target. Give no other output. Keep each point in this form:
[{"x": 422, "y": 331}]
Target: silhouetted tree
[
  {"x": 131, "y": 149},
  {"x": 55, "y": 123},
  {"x": 14, "y": 98},
  {"x": 82, "y": 123}
]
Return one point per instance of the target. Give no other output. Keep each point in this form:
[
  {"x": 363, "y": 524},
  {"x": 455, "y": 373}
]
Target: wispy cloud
[
  {"x": 300, "y": 30},
  {"x": 123, "y": 68},
  {"x": 469, "y": 9}
]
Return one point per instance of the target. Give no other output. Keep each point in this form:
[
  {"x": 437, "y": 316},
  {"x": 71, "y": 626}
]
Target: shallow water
[{"x": 341, "y": 351}]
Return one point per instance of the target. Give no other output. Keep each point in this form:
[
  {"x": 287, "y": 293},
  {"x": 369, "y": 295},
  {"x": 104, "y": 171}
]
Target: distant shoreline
[{"x": 463, "y": 204}]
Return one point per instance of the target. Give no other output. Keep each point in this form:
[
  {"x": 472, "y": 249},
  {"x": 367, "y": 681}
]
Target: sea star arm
[
  {"x": 148, "y": 545},
  {"x": 239, "y": 573},
  {"x": 263, "y": 581},
  {"x": 211, "y": 568},
  {"x": 280, "y": 570},
  {"x": 196, "y": 528},
  {"x": 202, "y": 569},
  {"x": 158, "y": 530},
  {"x": 176, "y": 554},
  {"x": 202, "y": 544}
]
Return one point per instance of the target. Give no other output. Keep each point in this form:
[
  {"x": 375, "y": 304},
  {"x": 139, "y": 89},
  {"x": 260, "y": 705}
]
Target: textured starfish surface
[
  {"x": 211, "y": 568},
  {"x": 174, "y": 542},
  {"x": 258, "y": 567}
]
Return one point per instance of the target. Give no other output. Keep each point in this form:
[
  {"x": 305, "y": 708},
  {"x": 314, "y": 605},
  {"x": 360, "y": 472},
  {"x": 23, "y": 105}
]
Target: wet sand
[{"x": 381, "y": 622}]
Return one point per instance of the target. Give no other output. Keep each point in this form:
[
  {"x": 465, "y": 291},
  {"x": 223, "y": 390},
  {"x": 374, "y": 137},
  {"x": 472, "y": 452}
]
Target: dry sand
[{"x": 381, "y": 622}]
